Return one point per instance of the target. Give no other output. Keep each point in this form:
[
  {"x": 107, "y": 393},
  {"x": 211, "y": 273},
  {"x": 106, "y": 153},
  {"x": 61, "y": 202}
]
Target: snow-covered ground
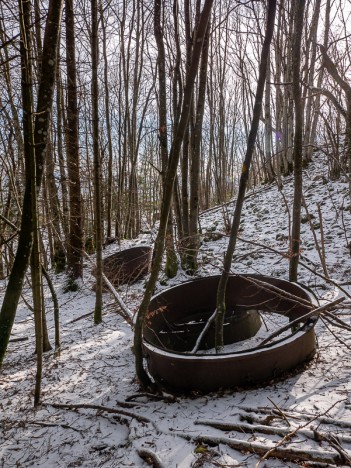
[{"x": 96, "y": 364}]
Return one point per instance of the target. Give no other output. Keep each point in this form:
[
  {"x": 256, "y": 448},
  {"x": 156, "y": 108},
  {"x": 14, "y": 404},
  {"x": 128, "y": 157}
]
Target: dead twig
[
  {"x": 336, "y": 321},
  {"x": 270, "y": 287},
  {"x": 338, "y": 460},
  {"x": 49, "y": 424},
  {"x": 320, "y": 249}
]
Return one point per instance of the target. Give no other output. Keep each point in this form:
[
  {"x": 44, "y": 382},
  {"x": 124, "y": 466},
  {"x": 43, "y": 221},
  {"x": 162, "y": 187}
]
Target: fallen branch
[
  {"x": 320, "y": 250},
  {"x": 167, "y": 397},
  {"x": 107, "y": 409},
  {"x": 125, "y": 311},
  {"x": 335, "y": 443},
  {"x": 264, "y": 429},
  {"x": 328, "y": 280},
  {"x": 202, "y": 334},
  {"x": 81, "y": 317},
  {"x": 16, "y": 340},
  {"x": 292, "y": 297},
  {"x": 314, "y": 312},
  {"x": 339, "y": 460}
]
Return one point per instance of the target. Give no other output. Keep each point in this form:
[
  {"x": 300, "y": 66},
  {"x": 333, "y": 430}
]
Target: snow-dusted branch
[
  {"x": 204, "y": 330},
  {"x": 283, "y": 453},
  {"x": 106, "y": 409}
]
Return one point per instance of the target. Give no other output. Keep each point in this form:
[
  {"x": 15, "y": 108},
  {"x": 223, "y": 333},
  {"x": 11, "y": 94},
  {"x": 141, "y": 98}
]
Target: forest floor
[{"x": 126, "y": 428}]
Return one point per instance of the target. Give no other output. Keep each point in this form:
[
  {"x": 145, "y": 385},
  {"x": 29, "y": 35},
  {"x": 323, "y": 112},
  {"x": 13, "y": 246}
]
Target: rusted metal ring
[{"x": 183, "y": 372}]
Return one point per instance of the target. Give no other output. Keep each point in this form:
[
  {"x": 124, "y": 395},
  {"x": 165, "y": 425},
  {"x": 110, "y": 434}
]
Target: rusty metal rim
[
  {"x": 127, "y": 265},
  {"x": 183, "y": 371},
  {"x": 206, "y": 373}
]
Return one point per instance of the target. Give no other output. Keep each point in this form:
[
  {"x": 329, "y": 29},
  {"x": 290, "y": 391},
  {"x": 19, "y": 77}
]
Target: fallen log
[{"x": 288, "y": 453}]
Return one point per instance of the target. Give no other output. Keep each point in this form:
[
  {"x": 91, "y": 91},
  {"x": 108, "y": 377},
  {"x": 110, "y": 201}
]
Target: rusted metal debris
[{"x": 127, "y": 266}]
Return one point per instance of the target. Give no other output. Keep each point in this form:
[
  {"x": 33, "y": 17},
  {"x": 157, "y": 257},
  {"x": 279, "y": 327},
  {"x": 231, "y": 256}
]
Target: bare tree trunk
[
  {"x": 287, "y": 108},
  {"x": 316, "y": 104},
  {"x": 5, "y": 59},
  {"x": 268, "y": 153},
  {"x": 61, "y": 161},
  {"x": 221, "y": 306},
  {"x": 41, "y": 130},
  {"x": 29, "y": 149},
  {"x": 312, "y": 42},
  {"x": 298, "y": 139},
  {"x": 75, "y": 247},
  {"x": 193, "y": 243},
  {"x": 97, "y": 161},
  {"x": 108, "y": 129},
  {"x": 56, "y": 309},
  {"x": 59, "y": 255},
  {"x": 167, "y": 193},
  {"x": 171, "y": 260}
]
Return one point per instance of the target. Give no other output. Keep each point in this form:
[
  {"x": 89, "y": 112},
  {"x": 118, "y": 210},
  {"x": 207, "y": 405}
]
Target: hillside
[{"x": 95, "y": 366}]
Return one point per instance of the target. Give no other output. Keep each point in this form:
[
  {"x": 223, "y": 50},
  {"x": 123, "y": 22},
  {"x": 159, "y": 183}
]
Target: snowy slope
[{"x": 95, "y": 366}]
